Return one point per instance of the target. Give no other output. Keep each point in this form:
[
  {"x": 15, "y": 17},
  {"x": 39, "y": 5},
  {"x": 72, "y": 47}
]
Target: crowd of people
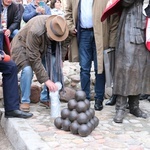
[{"x": 42, "y": 33}]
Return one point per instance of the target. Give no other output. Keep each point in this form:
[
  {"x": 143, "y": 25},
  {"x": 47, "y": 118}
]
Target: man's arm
[
  {"x": 68, "y": 15},
  {"x": 29, "y": 12},
  {"x": 114, "y": 21},
  {"x": 17, "y": 18}
]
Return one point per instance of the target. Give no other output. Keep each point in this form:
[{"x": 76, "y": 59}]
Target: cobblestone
[{"x": 39, "y": 132}]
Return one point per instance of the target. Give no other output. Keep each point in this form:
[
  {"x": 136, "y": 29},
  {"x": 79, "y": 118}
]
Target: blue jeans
[
  {"x": 14, "y": 33},
  {"x": 25, "y": 84},
  {"x": 87, "y": 54}
]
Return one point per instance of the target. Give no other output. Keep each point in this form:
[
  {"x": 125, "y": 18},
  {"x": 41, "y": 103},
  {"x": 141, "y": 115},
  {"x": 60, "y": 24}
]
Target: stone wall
[{"x": 71, "y": 73}]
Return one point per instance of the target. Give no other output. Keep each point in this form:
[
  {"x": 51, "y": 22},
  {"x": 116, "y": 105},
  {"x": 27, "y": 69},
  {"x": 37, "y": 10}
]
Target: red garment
[
  {"x": 6, "y": 44},
  {"x": 113, "y": 6},
  {"x": 147, "y": 33}
]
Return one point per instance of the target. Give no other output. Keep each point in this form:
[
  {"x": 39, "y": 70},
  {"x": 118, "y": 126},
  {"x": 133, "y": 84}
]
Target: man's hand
[
  {"x": 41, "y": 10},
  {"x": 7, "y": 32},
  {"x": 73, "y": 32},
  {"x": 51, "y": 86}
]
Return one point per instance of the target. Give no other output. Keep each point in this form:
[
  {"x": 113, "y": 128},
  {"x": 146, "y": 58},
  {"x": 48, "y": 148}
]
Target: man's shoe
[
  {"x": 18, "y": 114},
  {"x": 44, "y": 104},
  {"x": 98, "y": 105},
  {"x": 25, "y": 107},
  {"x": 143, "y": 96},
  {"x": 148, "y": 98},
  {"x": 112, "y": 100}
]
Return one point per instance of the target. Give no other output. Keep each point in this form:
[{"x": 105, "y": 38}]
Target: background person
[
  {"x": 83, "y": 18},
  {"x": 34, "y": 9}
]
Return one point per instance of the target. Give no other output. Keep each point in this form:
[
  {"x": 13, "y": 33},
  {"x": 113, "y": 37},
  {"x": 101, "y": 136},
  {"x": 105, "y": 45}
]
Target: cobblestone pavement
[
  {"x": 4, "y": 142},
  {"x": 39, "y": 132},
  {"x": 132, "y": 134}
]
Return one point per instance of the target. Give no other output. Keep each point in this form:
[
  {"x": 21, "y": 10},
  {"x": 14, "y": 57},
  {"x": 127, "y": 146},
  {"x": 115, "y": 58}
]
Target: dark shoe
[
  {"x": 143, "y": 96},
  {"x": 138, "y": 113},
  {"x": 127, "y": 106},
  {"x": 18, "y": 114},
  {"x": 98, "y": 105},
  {"x": 111, "y": 101},
  {"x": 44, "y": 104},
  {"x": 148, "y": 98},
  {"x": 119, "y": 116}
]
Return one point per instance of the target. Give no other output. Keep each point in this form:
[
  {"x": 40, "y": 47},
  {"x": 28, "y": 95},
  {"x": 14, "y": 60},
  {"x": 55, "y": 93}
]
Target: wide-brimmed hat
[{"x": 57, "y": 28}]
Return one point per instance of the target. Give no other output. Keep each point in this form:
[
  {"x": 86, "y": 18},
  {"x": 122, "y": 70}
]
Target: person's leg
[
  {"x": 44, "y": 97},
  {"x": 25, "y": 84},
  {"x": 134, "y": 107},
  {"x": 121, "y": 104},
  {"x": 1, "y": 39},
  {"x": 85, "y": 57},
  {"x": 99, "y": 82},
  {"x": 14, "y": 33},
  {"x": 10, "y": 85},
  {"x": 44, "y": 93},
  {"x": 10, "y": 91}
]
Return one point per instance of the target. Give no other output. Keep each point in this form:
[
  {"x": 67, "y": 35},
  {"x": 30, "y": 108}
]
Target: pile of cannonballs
[{"x": 78, "y": 118}]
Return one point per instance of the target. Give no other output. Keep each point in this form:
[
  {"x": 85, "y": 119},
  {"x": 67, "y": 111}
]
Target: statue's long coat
[{"x": 132, "y": 59}]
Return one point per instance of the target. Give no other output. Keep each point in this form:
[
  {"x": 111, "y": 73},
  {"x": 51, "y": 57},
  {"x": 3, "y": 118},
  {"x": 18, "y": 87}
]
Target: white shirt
[{"x": 86, "y": 14}]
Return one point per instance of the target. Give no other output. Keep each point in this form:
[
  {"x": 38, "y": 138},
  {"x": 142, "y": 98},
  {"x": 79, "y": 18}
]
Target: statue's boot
[
  {"x": 121, "y": 103},
  {"x": 134, "y": 107}
]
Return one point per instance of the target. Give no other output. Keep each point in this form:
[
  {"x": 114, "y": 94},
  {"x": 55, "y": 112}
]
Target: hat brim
[{"x": 51, "y": 34}]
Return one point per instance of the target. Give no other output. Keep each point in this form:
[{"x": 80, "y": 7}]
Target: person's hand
[
  {"x": 7, "y": 32},
  {"x": 73, "y": 32},
  {"x": 51, "y": 86},
  {"x": 41, "y": 10}
]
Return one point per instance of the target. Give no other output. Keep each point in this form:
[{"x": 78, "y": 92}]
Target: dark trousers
[
  {"x": 1, "y": 40},
  {"x": 10, "y": 85}
]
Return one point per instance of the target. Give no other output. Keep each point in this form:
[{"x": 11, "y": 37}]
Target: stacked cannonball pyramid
[{"x": 78, "y": 118}]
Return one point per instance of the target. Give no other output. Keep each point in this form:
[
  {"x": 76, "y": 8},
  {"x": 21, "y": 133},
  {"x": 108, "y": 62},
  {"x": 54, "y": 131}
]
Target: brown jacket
[
  {"x": 29, "y": 45},
  {"x": 105, "y": 32}
]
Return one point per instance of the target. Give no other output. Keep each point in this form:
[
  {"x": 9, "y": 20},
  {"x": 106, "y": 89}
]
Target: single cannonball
[
  {"x": 80, "y": 95},
  {"x": 66, "y": 125},
  {"x": 90, "y": 125},
  {"x": 92, "y": 111},
  {"x": 82, "y": 118},
  {"x": 58, "y": 122},
  {"x": 73, "y": 115},
  {"x": 74, "y": 127},
  {"x": 96, "y": 120},
  {"x": 72, "y": 104},
  {"x": 84, "y": 130},
  {"x": 93, "y": 123},
  {"x": 81, "y": 106},
  {"x": 87, "y": 103},
  {"x": 65, "y": 113},
  {"x": 88, "y": 113}
]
